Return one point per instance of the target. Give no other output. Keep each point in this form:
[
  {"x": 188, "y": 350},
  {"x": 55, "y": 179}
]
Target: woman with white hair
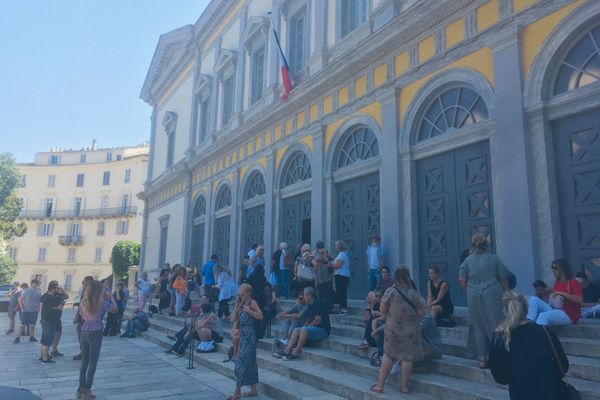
[{"x": 341, "y": 276}]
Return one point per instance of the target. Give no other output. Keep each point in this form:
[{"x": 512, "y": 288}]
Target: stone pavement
[{"x": 128, "y": 369}]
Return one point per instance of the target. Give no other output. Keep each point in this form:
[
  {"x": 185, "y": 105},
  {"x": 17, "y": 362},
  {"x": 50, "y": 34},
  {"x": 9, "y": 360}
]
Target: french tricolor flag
[{"x": 285, "y": 69}]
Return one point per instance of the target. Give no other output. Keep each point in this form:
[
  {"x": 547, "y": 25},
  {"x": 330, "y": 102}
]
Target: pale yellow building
[{"x": 77, "y": 204}]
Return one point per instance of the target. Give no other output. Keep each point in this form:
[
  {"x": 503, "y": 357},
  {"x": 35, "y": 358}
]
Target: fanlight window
[
  {"x": 255, "y": 186},
  {"x": 361, "y": 144},
  {"x": 454, "y": 109},
  {"x": 223, "y": 198},
  {"x": 296, "y": 170},
  {"x": 199, "y": 207},
  {"x": 581, "y": 66}
]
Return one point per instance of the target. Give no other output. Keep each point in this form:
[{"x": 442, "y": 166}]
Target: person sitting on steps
[{"x": 137, "y": 322}]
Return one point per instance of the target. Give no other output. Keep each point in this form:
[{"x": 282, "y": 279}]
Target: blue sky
[{"x": 72, "y": 70}]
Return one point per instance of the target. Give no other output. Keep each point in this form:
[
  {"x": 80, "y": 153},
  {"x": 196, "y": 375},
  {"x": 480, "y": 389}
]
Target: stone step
[
  {"x": 271, "y": 384},
  {"x": 345, "y": 339}
]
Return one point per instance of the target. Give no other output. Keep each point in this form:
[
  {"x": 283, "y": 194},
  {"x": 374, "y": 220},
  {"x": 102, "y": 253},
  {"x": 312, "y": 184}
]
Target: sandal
[
  {"x": 364, "y": 345},
  {"x": 232, "y": 397},
  {"x": 375, "y": 389},
  {"x": 250, "y": 394}
]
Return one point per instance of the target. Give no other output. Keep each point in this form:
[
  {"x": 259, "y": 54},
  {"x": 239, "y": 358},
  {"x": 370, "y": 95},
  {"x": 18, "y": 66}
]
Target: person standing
[
  {"x": 275, "y": 275},
  {"x": 95, "y": 303},
  {"x": 13, "y": 302},
  {"x": 565, "y": 299},
  {"x": 62, "y": 296},
  {"x": 143, "y": 289},
  {"x": 246, "y": 312},
  {"x": 341, "y": 276},
  {"x": 484, "y": 275},
  {"x": 374, "y": 255},
  {"x": 29, "y": 303},
  {"x": 403, "y": 342},
  {"x": 323, "y": 274},
  {"x": 256, "y": 259},
  {"x": 228, "y": 289},
  {"x": 208, "y": 273},
  {"x": 527, "y": 356},
  {"x": 52, "y": 305},
  {"x": 78, "y": 321},
  {"x": 180, "y": 286}
]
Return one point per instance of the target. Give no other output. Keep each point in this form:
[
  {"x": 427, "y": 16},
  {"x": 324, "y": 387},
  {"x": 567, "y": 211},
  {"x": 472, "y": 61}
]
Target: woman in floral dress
[{"x": 246, "y": 370}]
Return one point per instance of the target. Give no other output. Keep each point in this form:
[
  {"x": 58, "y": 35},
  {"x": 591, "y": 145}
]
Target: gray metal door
[
  {"x": 454, "y": 202},
  {"x": 357, "y": 219},
  {"x": 253, "y": 228},
  {"x": 221, "y": 236},
  {"x": 577, "y": 153},
  {"x": 197, "y": 245},
  {"x": 295, "y": 217}
]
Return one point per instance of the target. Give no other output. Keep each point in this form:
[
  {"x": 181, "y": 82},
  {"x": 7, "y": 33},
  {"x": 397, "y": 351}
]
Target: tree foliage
[
  {"x": 125, "y": 253},
  {"x": 10, "y": 205},
  {"x": 8, "y": 266}
]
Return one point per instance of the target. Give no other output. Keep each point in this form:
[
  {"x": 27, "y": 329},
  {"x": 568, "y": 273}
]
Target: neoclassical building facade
[{"x": 424, "y": 121}]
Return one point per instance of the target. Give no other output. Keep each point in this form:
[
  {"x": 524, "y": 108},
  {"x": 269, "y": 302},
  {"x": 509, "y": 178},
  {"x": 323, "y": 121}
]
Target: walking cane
[{"x": 192, "y": 344}]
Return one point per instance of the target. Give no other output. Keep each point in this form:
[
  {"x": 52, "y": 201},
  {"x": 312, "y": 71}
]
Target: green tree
[
  {"x": 10, "y": 207},
  {"x": 125, "y": 253}
]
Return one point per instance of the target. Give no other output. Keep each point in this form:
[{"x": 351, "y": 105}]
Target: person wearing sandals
[
  {"x": 372, "y": 312},
  {"x": 95, "y": 303},
  {"x": 527, "y": 356},
  {"x": 341, "y": 276},
  {"x": 245, "y": 313},
  {"x": 484, "y": 275},
  {"x": 403, "y": 342}
]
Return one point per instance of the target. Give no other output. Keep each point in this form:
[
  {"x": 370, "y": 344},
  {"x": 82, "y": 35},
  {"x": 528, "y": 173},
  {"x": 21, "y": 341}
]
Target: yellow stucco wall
[
  {"x": 487, "y": 15},
  {"x": 426, "y": 48},
  {"x": 373, "y": 110},
  {"x": 455, "y": 33},
  {"x": 380, "y": 75}
]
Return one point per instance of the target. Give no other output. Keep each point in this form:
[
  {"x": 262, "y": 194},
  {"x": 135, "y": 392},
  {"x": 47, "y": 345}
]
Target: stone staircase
[{"x": 338, "y": 369}]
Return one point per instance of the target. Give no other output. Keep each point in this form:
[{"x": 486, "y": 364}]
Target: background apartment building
[{"x": 77, "y": 204}]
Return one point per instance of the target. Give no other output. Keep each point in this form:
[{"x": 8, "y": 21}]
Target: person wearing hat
[
  {"x": 51, "y": 309},
  {"x": 374, "y": 255},
  {"x": 13, "y": 296}
]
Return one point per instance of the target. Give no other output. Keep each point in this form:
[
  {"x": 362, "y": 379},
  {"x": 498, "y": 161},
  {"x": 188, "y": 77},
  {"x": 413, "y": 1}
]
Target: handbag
[
  {"x": 305, "y": 272},
  {"x": 272, "y": 279},
  {"x": 570, "y": 392},
  {"x": 557, "y": 301}
]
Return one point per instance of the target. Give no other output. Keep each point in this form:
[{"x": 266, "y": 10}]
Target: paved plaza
[{"x": 128, "y": 369}]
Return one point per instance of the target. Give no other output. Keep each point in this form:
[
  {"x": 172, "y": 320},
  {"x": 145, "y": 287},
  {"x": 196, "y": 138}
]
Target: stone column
[
  {"x": 317, "y": 198},
  {"x": 187, "y": 219},
  {"x": 389, "y": 178},
  {"x": 270, "y": 236},
  {"x": 152, "y": 148},
  {"x": 208, "y": 225},
  {"x": 512, "y": 203},
  {"x": 234, "y": 249},
  {"x": 144, "y": 241},
  {"x": 194, "y": 122}
]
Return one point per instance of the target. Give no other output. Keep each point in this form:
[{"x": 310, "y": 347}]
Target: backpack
[
  {"x": 206, "y": 347},
  {"x": 152, "y": 309}
]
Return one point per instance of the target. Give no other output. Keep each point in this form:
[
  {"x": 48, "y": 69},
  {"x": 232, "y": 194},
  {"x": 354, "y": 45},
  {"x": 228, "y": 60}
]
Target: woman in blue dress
[{"x": 245, "y": 314}]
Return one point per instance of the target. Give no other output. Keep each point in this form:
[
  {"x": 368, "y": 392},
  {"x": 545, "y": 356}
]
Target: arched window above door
[
  {"x": 454, "y": 109},
  {"x": 255, "y": 186},
  {"x": 296, "y": 169},
  {"x": 199, "y": 207},
  {"x": 359, "y": 144},
  {"x": 223, "y": 198},
  {"x": 581, "y": 66}
]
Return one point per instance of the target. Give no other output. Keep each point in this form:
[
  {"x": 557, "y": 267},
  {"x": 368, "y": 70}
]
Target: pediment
[
  {"x": 255, "y": 26},
  {"x": 225, "y": 59},
  {"x": 203, "y": 81}
]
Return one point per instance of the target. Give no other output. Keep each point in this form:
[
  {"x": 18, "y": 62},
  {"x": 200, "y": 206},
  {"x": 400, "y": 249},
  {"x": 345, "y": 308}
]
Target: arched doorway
[
  {"x": 253, "y": 206},
  {"x": 198, "y": 224},
  {"x": 576, "y": 138},
  {"x": 222, "y": 227},
  {"x": 295, "y": 212},
  {"x": 357, "y": 199},
  {"x": 454, "y": 187}
]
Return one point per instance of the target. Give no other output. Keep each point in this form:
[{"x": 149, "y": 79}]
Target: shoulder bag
[
  {"x": 570, "y": 392},
  {"x": 407, "y": 301},
  {"x": 305, "y": 272}
]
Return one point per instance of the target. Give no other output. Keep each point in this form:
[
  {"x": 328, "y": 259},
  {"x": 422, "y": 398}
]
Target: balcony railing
[
  {"x": 113, "y": 212},
  {"x": 71, "y": 240}
]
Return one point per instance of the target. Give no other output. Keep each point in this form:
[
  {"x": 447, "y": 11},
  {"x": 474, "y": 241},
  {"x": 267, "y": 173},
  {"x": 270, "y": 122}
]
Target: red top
[{"x": 572, "y": 309}]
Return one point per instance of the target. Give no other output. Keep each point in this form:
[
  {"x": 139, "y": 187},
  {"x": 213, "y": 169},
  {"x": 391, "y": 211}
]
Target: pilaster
[
  {"x": 187, "y": 219},
  {"x": 512, "y": 202},
  {"x": 273, "y": 59},
  {"x": 269, "y": 235},
  {"x": 241, "y": 61},
  {"x": 152, "y": 149},
  {"x": 214, "y": 99},
  {"x": 208, "y": 225},
  {"x": 317, "y": 226},
  {"x": 234, "y": 253}
]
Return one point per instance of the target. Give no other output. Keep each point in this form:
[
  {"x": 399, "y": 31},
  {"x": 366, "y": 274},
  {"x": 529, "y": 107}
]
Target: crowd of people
[{"x": 509, "y": 331}]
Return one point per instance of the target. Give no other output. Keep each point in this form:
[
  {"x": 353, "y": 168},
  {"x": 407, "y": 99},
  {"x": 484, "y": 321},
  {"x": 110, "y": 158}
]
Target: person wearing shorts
[
  {"x": 316, "y": 328},
  {"x": 51, "y": 308},
  {"x": 29, "y": 303},
  {"x": 13, "y": 295}
]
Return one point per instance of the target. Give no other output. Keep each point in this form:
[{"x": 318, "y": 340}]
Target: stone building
[
  {"x": 424, "y": 121},
  {"x": 77, "y": 204}
]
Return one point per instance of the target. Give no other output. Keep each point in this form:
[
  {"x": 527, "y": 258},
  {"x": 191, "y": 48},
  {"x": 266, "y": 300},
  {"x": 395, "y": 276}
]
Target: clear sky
[{"x": 72, "y": 70}]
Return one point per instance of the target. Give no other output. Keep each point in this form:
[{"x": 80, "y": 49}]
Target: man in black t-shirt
[
  {"x": 591, "y": 297},
  {"x": 51, "y": 311},
  {"x": 316, "y": 327}
]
